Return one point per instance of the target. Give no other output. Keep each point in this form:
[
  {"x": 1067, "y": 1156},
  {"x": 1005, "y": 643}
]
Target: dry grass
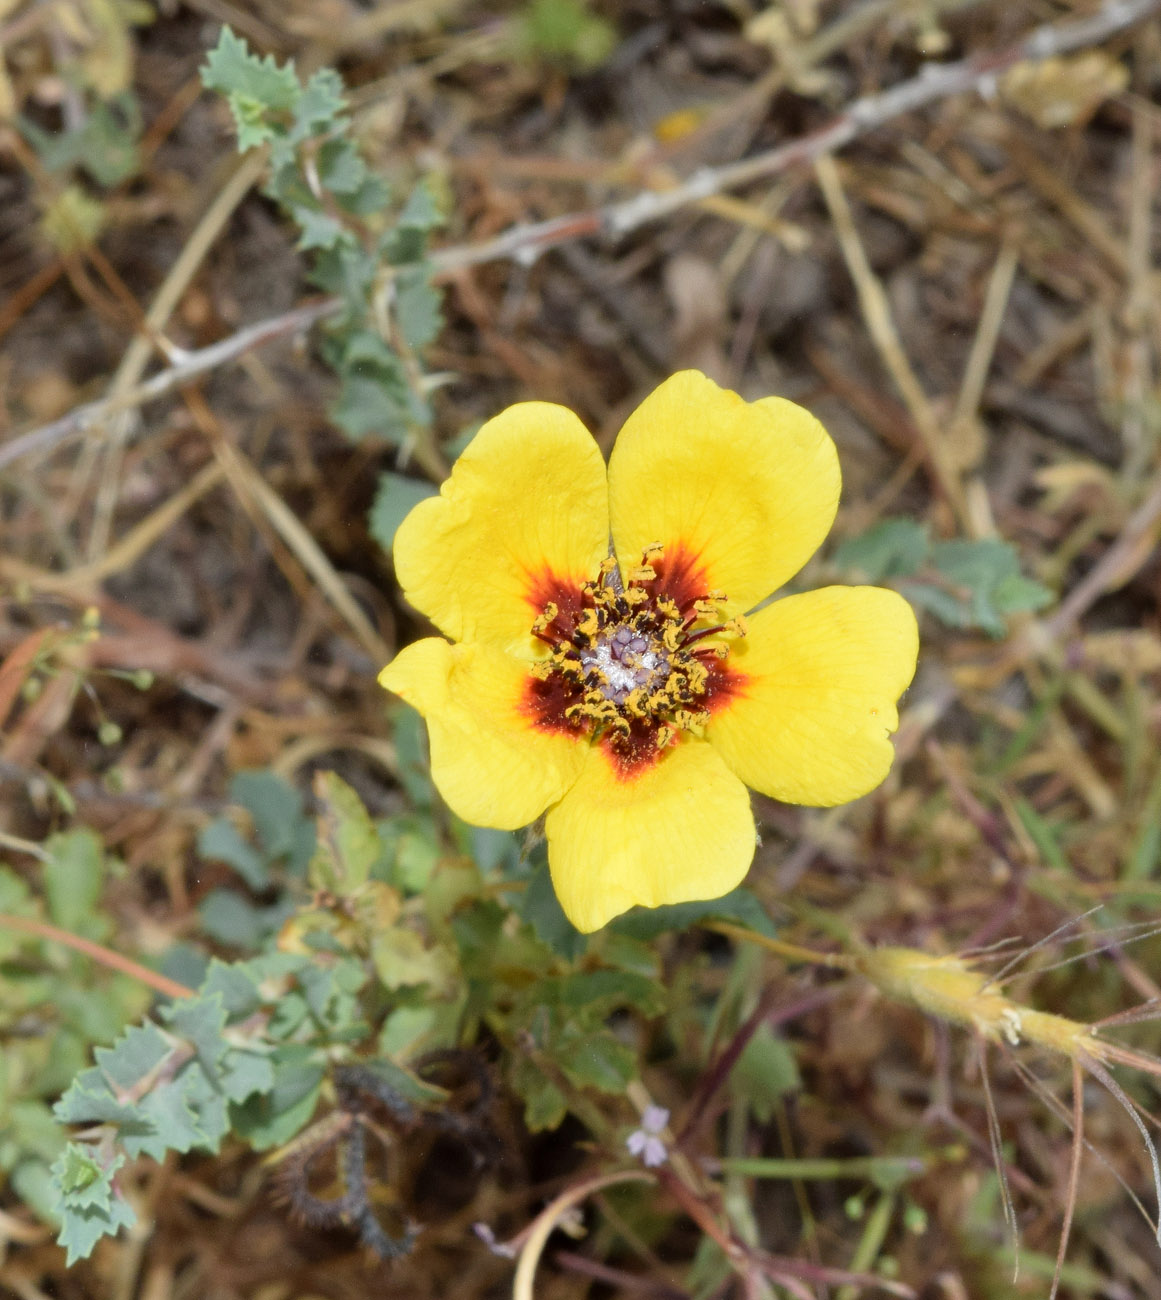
[{"x": 965, "y": 294}]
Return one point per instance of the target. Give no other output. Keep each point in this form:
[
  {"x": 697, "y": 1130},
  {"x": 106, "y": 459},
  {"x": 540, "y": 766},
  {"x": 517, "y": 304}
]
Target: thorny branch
[{"x": 525, "y": 242}]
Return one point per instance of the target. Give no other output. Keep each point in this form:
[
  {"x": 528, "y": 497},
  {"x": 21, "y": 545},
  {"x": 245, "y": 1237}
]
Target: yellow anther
[
  {"x": 589, "y": 623},
  {"x": 709, "y": 607},
  {"x": 622, "y": 633},
  {"x": 637, "y": 703},
  {"x": 546, "y": 618}
]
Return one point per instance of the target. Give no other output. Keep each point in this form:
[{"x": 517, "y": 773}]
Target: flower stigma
[{"x": 629, "y": 662}]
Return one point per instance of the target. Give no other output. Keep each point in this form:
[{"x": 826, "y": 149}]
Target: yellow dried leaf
[
  {"x": 1133, "y": 651},
  {"x": 676, "y": 126},
  {"x": 1066, "y": 89},
  {"x": 107, "y": 62},
  {"x": 1069, "y": 479},
  {"x": 73, "y": 220}
]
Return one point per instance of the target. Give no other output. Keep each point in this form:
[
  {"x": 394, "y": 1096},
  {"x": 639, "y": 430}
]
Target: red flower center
[{"x": 629, "y": 664}]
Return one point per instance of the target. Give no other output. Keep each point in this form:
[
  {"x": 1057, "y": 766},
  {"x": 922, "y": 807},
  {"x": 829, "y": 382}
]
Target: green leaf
[
  {"x": 229, "y": 918},
  {"x": 989, "y": 570},
  {"x": 349, "y": 271},
  {"x": 32, "y": 1184},
  {"x": 424, "y": 1026},
  {"x": 494, "y": 850},
  {"x": 739, "y": 906},
  {"x": 290, "y": 1011},
  {"x": 81, "y": 1229},
  {"x": 176, "y": 1115},
  {"x": 348, "y": 843},
  {"x": 250, "y": 122},
  {"x": 253, "y": 87},
  {"x": 542, "y": 910},
  {"x": 276, "y": 808},
  {"x": 374, "y": 399},
  {"x": 597, "y": 1060},
  {"x": 201, "y": 1021},
  {"x": 403, "y": 1083},
  {"x": 88, "y": 1204},
  {"x": 372, "y": 196},
  {"x": 410, "y": 736},
  {"x": 235, "y": 985},
  {"x": 600, "y": 992},
  {"x": 245, "y": 1072},
  {"x": 274, "y": 1117},
  {"x": 134, "y": 1057},
  {"x": 104, "y": 145},
  {"x": 415, "y": 853},
  {"x": 82, "y": 1177},
  {"x": 89, "y": 1100},
  {"x": 74, "y": 876},
  {"x": 319, "y": 229},
  {"x": 418, "y": 306},
  {"x": 892, "y": 548},
  {"x": 396, "y": 497},
  {"x": 220, "y": 842},
  {"x": 626, "y": 953},
  {"x": 331, "y": 990},
  {"x": 545, "y": 1105},
  {"x": 320, "y": 105},
  {"x": 568, "y": 31},
  {"x": 1016, "y": 594},
  {"x": 764, "y": 1073},
  {"x": 340, "y": 168},
  {"x": 950, "y": 610},
  {"x": 29, "y": 1130},
  {"x": 403, "y": 960}
]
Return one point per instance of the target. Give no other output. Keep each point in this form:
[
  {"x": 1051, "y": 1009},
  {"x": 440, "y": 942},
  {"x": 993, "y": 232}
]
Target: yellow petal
[
  {"x": 670, "y": 832},
  {"x": 490, "y": 762},
  {"x": 524, "y": 512},
  {"x": 813, "y": 688},
  {"x": 741, "y": 494}
]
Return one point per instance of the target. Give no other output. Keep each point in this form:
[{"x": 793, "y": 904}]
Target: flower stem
[{"x": 791, "y": 951}]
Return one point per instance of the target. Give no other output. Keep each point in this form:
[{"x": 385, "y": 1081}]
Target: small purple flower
[{"x": 645, "y": 1141}]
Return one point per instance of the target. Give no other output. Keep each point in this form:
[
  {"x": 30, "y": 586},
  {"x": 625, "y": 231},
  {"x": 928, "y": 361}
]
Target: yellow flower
[{"x": 628, "y": 695}]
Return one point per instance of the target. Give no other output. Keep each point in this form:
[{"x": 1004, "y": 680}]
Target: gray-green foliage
[
  {"x": 168, "y": 1084},
  {"x": 369, "y": 252},
  {"x": 104, "y": 145},
  {"x": 52, "y": 1006},
  {"x": 396, "y": 936},
  {"x": 964, "y": 584}
]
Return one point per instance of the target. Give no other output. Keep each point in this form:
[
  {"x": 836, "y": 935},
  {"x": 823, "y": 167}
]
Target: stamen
[{"x": 624, "y": 660}]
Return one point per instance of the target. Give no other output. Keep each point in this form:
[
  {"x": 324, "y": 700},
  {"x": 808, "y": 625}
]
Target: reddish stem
[{"x": 99, "y": 953}]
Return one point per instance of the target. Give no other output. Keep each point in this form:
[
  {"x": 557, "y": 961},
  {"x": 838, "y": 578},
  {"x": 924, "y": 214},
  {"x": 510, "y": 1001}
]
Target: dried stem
[{"x": 548, "y": 1219}]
